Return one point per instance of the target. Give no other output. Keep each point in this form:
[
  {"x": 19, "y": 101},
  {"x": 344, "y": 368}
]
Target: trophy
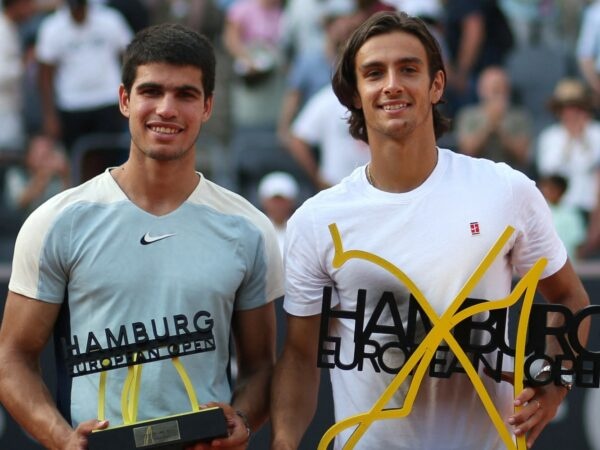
[
  {"x": 172, "y": 432},
  {"x": 533, "y": 364}
]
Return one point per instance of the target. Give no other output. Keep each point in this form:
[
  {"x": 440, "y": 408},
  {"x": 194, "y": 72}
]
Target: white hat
[{"x": 278, "y": 184}]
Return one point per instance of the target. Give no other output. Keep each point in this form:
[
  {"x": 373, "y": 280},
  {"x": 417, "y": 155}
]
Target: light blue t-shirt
[{"x": 132, "y": 283}]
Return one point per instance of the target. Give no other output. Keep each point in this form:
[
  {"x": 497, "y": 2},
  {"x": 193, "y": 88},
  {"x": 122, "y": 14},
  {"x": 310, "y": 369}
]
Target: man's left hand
[
  {"x": 538, "y": 407},
  {"x": 238, "y": 435}
]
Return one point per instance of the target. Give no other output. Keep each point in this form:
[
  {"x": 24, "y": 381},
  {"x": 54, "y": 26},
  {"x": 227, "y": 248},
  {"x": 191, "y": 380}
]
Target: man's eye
[{"x": 372, "y": 74}]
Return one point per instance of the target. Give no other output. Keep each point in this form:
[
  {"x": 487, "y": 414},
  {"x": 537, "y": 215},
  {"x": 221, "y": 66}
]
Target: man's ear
[
  {"x": 437, "y": 87},
  {"x": 124, "y": 101},
  {"x": 208, "y": 106},
  {"x": 356, "y": 101}
]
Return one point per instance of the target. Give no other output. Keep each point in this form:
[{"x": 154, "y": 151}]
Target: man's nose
[
  {"x": 393, "y": 83},
  {"x": 167, "y": 106}
]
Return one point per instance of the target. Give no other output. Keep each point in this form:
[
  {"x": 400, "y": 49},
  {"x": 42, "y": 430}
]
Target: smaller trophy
[{"x": 166, "y": 433}]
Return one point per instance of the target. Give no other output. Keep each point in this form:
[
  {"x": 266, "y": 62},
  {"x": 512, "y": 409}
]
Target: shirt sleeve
[
  {"x": 305, "y": 276},
  {"x": 263, "y": 282},
  {"x": 40, "y": 267},
  {"x": 536, "y": 234}
]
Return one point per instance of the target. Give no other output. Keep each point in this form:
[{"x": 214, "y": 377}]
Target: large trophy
[
  {"x": 166, "y": 433},
  {"x": 573, "y": 364}
]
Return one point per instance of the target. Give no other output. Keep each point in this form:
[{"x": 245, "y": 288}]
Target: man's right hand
[{"x": 78, "y": 439}]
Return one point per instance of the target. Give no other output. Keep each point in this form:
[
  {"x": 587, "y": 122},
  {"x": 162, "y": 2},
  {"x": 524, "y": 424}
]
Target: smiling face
[
  {"x": 394, "y": 88},
  {"x": 166, "y": 109}
]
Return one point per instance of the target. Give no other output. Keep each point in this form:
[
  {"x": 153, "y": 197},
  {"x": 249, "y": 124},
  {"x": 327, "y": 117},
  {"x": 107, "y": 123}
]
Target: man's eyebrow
[
  {"x": 188, "y": 87},
  {"x": 149, "y": 85},
  {"x": 152, "y": 85},
  {"x": 404, "y": 60}
]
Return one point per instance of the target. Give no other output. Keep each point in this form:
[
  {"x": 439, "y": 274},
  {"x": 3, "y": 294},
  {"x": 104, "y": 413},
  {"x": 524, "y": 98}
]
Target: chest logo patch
[{"x": 149, "y": 239}]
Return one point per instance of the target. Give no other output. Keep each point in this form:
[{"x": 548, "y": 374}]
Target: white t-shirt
[
  {"x": 437, "y": 235},
  {"x": 86, "y": 56},
  {"x": 577, "y": 160},
  {"x": 323, "y": 122}
]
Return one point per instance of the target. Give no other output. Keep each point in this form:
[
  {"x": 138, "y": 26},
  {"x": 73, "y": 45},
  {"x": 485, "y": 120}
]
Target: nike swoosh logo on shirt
[{"x": 147, "y": 239}]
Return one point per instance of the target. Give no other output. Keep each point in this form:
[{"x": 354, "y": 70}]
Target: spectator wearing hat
[
  {"x": 278, "y": 194},
  {"x": 571, "y": 146}
]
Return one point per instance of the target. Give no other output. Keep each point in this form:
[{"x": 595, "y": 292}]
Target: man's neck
[
  {"x": 401, "y": 168},
  {"x": 156, "y": 187}
]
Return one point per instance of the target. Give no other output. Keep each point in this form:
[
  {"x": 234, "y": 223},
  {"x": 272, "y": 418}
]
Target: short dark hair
[
  {"x": 344, "y": 77},
  {"x": 170, "y": 43},
  {"x": 560, "y": 182}
]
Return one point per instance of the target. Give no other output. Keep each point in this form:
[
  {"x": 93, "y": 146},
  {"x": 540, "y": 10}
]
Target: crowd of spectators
[{"x": 274, "y": 107}]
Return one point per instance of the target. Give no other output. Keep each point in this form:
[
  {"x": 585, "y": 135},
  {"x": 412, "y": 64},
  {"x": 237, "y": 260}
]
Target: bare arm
[
  {"x": 51, "y": 125},
  {"x": 474, "y": 143},
  {"x": 36, "y": 187},
  {"x": 289, "y": 108},
  {"x": 255, "y": 342},
  {"x": 304, "y": 156},
  {"x": 254, "y": 332},
  {"x": 295, "y": 383},
  {"x": 565, "y": 288},
  {"x": 473, "y": 34},
  {"x": 541, "y": 403},
  {"x": 26, "y": 327}
]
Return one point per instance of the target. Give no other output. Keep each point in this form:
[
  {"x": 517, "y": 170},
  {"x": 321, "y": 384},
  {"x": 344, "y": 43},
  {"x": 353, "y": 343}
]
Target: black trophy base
[{"x": 166, "y": 433}]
